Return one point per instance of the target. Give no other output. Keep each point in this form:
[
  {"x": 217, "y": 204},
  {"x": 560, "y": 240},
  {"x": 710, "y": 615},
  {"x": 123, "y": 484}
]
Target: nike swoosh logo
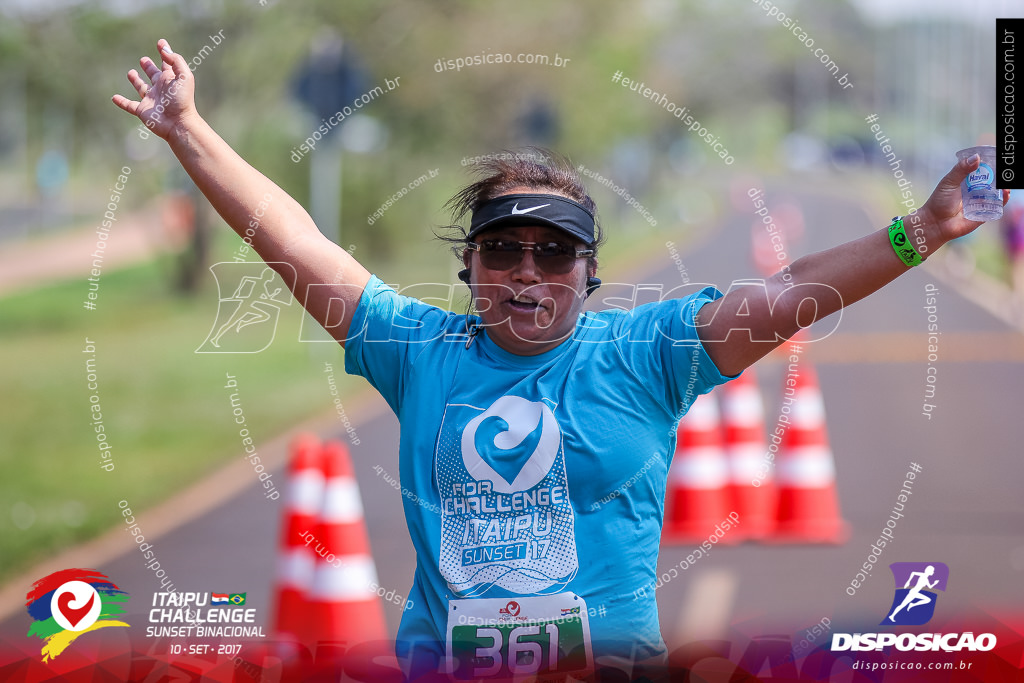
[{"x": 515, "y": 209}]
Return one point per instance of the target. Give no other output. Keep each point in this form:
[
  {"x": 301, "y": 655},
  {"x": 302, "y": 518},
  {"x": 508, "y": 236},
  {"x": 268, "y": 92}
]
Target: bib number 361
[
  {"x": 527, "y": 649},
  {"x": 522, "y": 636}
]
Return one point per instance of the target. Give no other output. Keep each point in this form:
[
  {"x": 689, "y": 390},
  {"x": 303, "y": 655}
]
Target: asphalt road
[{"x": 966, "y": 509}]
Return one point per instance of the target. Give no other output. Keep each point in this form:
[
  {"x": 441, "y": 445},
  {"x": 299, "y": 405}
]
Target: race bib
[
  {"x": 503, "y": 637},
  {"x": 506, "y": 519}
]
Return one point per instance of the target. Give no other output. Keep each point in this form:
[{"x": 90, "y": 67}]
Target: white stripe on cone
[
  {"x": 807, "y": 467},
  {"x": 348, "y": 583},
  {"x": 743, "y": 407},
  {"x": 306, "y": 491},
  {"x": 342, "y": 504},
  {"x": 746, "y": 461},
  {"x": 808, "y": 409},
  {"x": 295, "y": 568},
  {"x": 701, "y": 468},
  {"x": 702, "y": 415}
]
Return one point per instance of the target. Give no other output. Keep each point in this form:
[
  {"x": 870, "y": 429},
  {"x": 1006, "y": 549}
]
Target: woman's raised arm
[
  {"x": 285, "y": 235},
  {"x": 746, "y": 325}
]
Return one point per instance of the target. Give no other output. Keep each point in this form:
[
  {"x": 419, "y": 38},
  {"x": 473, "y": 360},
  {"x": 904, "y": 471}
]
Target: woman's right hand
[{"x": 168, "y": 100}]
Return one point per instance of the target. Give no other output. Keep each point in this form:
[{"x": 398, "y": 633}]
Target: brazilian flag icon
[{"x": 237, "y": 598}]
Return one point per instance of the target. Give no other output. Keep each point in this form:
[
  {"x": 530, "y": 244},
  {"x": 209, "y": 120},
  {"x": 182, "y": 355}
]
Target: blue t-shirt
[{"x": 538, "y": 481}]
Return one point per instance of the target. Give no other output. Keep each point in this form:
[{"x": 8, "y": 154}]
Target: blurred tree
[{"x": 732, "y": 66}]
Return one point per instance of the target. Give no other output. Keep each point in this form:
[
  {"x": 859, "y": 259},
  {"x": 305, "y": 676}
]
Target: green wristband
[{"x": 901, "y": 244}]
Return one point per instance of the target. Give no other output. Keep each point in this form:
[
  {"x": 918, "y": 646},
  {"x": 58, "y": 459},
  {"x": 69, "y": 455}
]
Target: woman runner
[{"x": 516, "y": 420}]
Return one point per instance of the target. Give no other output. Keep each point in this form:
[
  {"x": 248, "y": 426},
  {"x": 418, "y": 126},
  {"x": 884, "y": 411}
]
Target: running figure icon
[
  {"x": 915, "y": 598},
  {"x": 250, "y": 309},
  {"x": 251, "y": 297}
]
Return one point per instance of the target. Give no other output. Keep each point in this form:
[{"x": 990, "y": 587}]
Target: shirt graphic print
[{"x": 506, "y": 517}]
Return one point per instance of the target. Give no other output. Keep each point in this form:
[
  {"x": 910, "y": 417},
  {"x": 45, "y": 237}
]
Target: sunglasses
[{"x": 553, "y": 258}]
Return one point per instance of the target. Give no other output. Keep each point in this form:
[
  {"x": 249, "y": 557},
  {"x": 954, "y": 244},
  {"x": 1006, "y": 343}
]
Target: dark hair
[{"x": 536, "y": 168}]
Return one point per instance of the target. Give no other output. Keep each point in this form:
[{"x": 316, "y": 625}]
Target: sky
[{"x": 895, "y": 11}]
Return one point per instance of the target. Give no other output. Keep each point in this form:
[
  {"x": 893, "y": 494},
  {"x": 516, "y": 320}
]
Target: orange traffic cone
[
  {"x": 299, "y": 519},
  {"x": 808, "y": 509},
  {"x": 344, "y": 602},
  {"x": 751, "y": 482},
  {"x": 769, "y": 248},
  {"x": 698, "y": 477}
]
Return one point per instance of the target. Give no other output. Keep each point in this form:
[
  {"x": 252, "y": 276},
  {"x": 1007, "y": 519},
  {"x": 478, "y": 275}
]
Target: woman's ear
[
  {"x": 593, "y": 282},
  {"x": 464, "y": 273}
]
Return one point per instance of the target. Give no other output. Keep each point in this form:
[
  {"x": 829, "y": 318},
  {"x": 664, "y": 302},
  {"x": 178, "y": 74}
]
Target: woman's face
[{"x": 526, "y": 310}]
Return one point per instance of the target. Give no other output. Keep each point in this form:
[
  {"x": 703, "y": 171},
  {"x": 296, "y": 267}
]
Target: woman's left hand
[{"x": 944, "y": 209}]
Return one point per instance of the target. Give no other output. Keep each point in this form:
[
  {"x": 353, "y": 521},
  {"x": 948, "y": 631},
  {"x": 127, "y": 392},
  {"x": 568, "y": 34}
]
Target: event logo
[
  {"x": 247, "y": 318},
  {"x": 512, "y": 444},
  {"x": 506, "y": 520},
  {"x": 914, "y": 603},
  {"x": 69, "y": 603}
]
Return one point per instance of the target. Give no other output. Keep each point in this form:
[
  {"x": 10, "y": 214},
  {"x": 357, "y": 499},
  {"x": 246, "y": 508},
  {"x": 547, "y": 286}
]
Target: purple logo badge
[{"x": 914, "y": 602}]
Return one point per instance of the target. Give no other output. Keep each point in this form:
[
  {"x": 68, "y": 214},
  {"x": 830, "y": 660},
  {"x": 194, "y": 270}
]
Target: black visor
[{"x": 535, "y": 209}]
